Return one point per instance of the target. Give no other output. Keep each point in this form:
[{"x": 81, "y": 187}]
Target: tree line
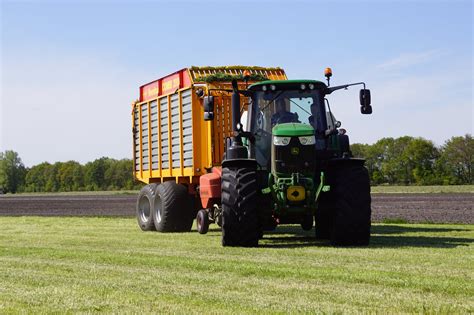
[
  {"x": 417, "y": 161},
  {"x": 394, "y": 161},
  {"x": 100, "y": 174}
]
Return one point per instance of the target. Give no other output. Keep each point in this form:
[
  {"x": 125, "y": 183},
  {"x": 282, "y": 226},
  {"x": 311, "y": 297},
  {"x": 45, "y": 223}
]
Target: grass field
[{"x": 58, "y": 265}]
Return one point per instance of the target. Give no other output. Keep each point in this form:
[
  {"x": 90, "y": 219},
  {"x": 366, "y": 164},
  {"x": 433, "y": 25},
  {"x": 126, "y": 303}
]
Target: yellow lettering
[
  {"x": 150, "y": 92},
  {"x": 167, "y": 85},
  {"x": 175, "y": 82}
]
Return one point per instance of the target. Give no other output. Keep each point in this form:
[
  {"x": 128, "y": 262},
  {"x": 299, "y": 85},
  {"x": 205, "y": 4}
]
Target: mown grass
[
  {"x": 69, "y": 265},
  {"x": 423, "y": 189}
]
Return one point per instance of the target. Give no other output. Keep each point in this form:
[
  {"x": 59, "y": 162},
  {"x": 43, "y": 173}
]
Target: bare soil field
[
  {"x": 422, "y": 208},
  {"x": 414, "y": 208}
]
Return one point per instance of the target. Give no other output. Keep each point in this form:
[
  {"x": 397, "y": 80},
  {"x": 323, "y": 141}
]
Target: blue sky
[{"x": 70, "y": 69}]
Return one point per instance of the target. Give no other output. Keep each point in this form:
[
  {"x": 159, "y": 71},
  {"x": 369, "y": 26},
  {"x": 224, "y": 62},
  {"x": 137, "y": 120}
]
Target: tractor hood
[{"x": 293, "y": 129}]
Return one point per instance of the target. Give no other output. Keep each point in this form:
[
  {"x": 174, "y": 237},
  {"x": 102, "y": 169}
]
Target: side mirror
[
  {"x": 208, "y": 108},
  {"x": 366, "y": 110},
  {"x": 364, "y": 97}
]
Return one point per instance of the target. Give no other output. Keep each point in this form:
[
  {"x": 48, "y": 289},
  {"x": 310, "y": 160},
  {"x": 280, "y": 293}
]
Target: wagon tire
[
  {"x": 172, "y": 208},
  {"x": 144, "y": 207}
]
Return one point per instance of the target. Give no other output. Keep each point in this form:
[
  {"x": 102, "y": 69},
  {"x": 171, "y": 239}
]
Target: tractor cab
[{"x": 288, "y": 118}]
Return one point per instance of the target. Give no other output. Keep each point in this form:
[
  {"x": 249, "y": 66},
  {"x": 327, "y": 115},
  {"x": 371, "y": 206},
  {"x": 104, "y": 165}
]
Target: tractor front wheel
[
  {"x": 240, "y": 226},
  {"x": 202, "y": 221}
]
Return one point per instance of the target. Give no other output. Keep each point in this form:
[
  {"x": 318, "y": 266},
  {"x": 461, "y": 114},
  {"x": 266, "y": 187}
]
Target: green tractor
[{"x": 289, "y": 162}]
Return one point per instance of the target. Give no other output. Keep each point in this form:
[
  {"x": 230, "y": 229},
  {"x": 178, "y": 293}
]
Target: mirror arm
[{"x": 329, "y": 90}]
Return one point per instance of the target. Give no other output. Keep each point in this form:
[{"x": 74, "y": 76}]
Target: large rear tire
[
  {"x": 351, "y": 221},
  {"x": 324, "y": 217},
  {"x": 144, "y": 208},
  {"x": 240, "y": 226},
  {"x": 172, "y": 208},
  {"x": 307, "y": 222}
]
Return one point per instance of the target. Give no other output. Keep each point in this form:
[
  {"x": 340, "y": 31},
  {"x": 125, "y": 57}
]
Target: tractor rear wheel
[
  {"x": 240, "y": 226},
  {"x": 172, "y": 208},
  {"x": 307, "y": 223},
  {"x": 144, "y": 207},
  {"x": 351, "y": 221},
  {"x": 323, "y": 217}
]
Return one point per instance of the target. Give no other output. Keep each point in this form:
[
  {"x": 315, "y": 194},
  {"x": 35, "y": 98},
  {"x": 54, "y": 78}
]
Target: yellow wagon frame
[{"x": 207, "y": 136}]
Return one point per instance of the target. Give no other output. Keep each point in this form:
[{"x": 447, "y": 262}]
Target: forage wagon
[{"x": 247, "y": 149}]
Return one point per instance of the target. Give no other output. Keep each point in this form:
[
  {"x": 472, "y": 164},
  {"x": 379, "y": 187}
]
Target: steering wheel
[{"x": 287, "y": 118}]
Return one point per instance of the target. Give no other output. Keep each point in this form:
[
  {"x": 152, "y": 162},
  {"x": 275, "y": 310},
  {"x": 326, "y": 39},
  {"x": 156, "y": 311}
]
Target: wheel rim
[{"x": 144, "y": 208}]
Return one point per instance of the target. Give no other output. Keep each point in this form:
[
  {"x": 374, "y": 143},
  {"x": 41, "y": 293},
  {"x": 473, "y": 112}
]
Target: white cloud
[{"x": 409, "y": 59}]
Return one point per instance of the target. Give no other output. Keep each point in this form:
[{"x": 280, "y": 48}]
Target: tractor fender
[
  {"x": 333, "y": 163},
  {"x": 240, "y": 163}
]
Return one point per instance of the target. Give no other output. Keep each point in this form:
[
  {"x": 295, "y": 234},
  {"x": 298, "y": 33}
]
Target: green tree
[
  {"x": 12, "y": 172},
  {"x": 457, "y": 155},
  {"x": 94, "y": 174},
  {"x": 35, "y": 180},
  {"x": 119, "y": 175},
  {"x": 359, "y": 150},
  {"x": 51, "y": 177},
  {"x": 404, "y": 160},
  {"x": 419, "y": 157},
  {"x": 382, "y": 158},
  {"x": 69, "y": 176}
]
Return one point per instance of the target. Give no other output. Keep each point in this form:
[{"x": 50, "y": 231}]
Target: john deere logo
[{"x": 295, "y": 151}]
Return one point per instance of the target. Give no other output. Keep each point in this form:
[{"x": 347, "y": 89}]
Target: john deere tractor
[{"x": 289, "y": 162}]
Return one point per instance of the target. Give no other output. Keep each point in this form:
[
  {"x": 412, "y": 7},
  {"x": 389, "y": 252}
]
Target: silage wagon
[{"x": 276, "y": 155}]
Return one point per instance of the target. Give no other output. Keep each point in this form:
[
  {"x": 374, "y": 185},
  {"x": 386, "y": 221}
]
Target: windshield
[
  {"x": 272, "y": 108},
  {"x": 278, "y": 107}
]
